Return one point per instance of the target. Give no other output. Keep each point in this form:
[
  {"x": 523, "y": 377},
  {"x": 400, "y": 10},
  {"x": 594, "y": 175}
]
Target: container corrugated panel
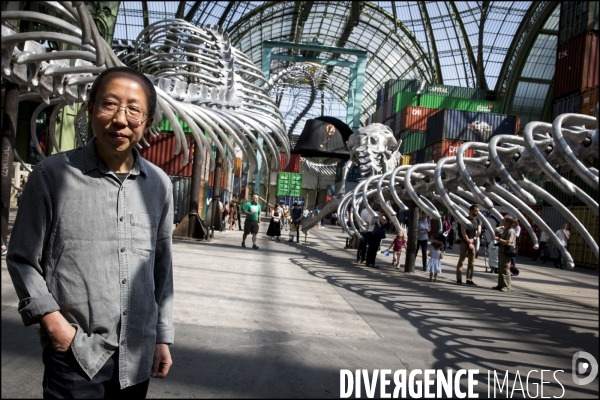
[
  {"x": 577, "y": 65},
  {"x": 415, "y": 118},
  {"x": 413, "y": 158},
  {"x": 380, "y": 98},
  {"x": 568, "y": 104},
  {"x": 403, "y": 85},
  {"x": 469, "y": 126},
  {"x": 571, "y": 200},
  {"x": 397, "y": 127},
  {"x": 211, "y": 180},
  {"x": 404, "y": 99},
  {"x": 412, "y": 141},
  {"x": 453, "y": 103},
  {"x": 393, "y": 123},
  {"x": 405, "y": 159},
  {"x": 389, "y": 110},
  {"x": 454, "y": 91},
  {"x": 237, "y": 186},
  {"x": 553, "y": 218},
  {"x": 181, "y": 194},
  {"x": 161, "y": 154},
  {"x": 420, "y": 156},
  {"x": 525, "y": 240},
  {"x": 448, "y": 148},
  {"x": 538, "y": 200},
  {"x": 589, "y": 99},
  {"x": 293, "y": 165},
  {"x": 385, "y": 109},
  {"x": 580, "y": 250},
  {"x": 428, "y": 153},
  {"x": 576, "y": 17}
]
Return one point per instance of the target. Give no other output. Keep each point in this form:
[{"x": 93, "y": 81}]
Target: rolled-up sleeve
[
  {"x": 163, "y": 274},
  {"x": 28, "y": 249}
]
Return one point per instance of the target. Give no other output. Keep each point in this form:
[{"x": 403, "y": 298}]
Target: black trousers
[
  {"x": 374, "y": 243},
  {"x": 361, "y": 253},
  {"x": 451, "y": 238},
  {"x": 64, "y": 379},
  {"x": 423, "y": 245},
  {"x": 443, "y": 239},
  {"x": 543, "y": 248}
]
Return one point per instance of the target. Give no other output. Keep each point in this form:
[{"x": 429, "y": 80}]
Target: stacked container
[
  {"x": 455, "y": 125},
  {"x": 293, "y": 165},
  {"x": 161, "y": 154}
]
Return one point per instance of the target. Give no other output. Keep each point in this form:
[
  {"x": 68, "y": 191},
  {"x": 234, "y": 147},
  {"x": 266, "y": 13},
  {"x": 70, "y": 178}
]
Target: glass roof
[{"x": 443, "y": 42}]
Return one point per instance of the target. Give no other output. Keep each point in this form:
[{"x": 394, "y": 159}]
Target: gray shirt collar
[{"x": 91, "y": 160}]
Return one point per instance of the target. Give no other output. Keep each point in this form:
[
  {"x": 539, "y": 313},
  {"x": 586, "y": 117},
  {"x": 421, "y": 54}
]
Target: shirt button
[
  {"x": 124, "y": 281},
  {"x": 122, "y": 249},
  {"x": 121, "y": 219}
]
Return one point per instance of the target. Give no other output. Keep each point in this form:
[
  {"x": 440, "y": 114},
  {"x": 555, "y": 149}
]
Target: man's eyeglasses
[{"x": 132, "y": 113}]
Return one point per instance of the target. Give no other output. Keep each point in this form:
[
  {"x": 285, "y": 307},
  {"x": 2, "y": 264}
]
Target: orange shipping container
[
  {"x": 447, "y": 148},
  {"x": 211, "y": 180},
  {"x": 162, "y": 154},
  {"x": 414, "y": 118},
  {"x": 577, "y": 66},
  {"x": 589, "y": 99}
]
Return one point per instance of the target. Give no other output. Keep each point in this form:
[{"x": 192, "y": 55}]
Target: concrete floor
[{"x": 283, "y": 321}]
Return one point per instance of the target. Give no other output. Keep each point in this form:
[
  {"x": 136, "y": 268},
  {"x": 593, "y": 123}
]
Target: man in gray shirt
[{"x": 90, "y": 252}]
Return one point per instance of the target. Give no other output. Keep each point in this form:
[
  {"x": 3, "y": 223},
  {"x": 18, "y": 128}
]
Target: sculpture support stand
[
  {"x": 192, "y": 226},
  {"x": 411, "y": 240},
  {"x": 9, "y": 126}
]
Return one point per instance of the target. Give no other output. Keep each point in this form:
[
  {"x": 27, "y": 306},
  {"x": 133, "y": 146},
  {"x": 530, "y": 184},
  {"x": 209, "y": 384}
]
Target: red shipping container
[
  {"x": 414, "y": 118},
  {"x": 293, "y": 165},
  {"x": 448, "y": 148},
  {"x": 577, "y": 66},
  {"x": 162, "y": 154}
]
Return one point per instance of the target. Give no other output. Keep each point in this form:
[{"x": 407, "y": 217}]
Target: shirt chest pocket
[{"x": 143, "y": 234}]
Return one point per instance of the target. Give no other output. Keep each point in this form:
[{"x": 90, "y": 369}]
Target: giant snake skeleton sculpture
[
  {"x": 198, "y": 76},
  {"x": 494, "y": 176}
]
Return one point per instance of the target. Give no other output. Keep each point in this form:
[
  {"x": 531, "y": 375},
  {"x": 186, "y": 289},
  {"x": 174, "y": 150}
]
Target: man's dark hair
[
  {"x": 473, "y": 206},
  {"x": 510, "y": 220},
  {"x": 148, "y": 86}
]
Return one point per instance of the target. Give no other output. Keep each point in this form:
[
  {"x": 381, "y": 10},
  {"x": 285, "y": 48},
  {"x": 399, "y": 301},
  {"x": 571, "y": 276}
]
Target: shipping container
[
  {"x": 571, "y": 103},
  {"x": 428, "y": 154},
  {"x": 577, "y": 65},
  {"x": 420, "y": 156},
  {"x": 393, "y": 123},
  {"x": 567, "y": 199},
  {"x": 412, "y": 141},
  {"x": 405, "y": 99},
  {"x": 181, "y": 194},
  {"x": 454, "y": 91},
  {"x": 165, "y": 126},
  {"x": 525, "y": 240},
  {"x": 293, "y": 165},
  {"x": 412, "y": 158},
  {"x": 447, "y": 148},
  {"x": 289, "y": 184},
  {"x": 403, "y": 85},
  {"x": 553, "y": 218},
  {"x": 453, "y": 103},
  {"x": 211, "y": 180},
  {"x": 538, "y": 200},
  {"x": 405, "y": 159},
  {"x": 161, "y": 153},
  {"x": 415, "y": 118},
  {"x": 397, "y": 128},
  {"x": 290, "y": 200},
  {"x": 576, "y": 17},
  {"x": 469, "y": 126},
  {"x": 389, "y": 109},
  {"x": 578, "y": 247},
  {"x": 385, "y": 109},
  {"x": 589, "y": 99},
  {"x": 380, "y": 98}
]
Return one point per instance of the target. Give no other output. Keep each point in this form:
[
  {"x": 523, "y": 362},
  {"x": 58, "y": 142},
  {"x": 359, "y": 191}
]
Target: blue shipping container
[
  {"x": 469, "y": 126},
  {"x": 290, "y": 200},
  {"x": 568, "y": 104}
]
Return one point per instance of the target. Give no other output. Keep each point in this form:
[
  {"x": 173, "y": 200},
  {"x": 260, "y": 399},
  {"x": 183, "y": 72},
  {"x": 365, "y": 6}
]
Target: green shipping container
[
  {"x": 571, "y": 200},
  {"x": 289, "y": 184},
  {"x": 404, "y": 99},
  {"x": 454, "y": 91},
  {"x": 165, "y": 125},
  {"x": 453, "y": 103},
  {"x": 412, "y": 141},
  {"x": 537, "y": 181}
]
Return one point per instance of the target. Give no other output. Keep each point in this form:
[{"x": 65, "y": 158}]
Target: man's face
[
  {"x": 255, "y": 199},
  {"x": 115, "y": 134},
  {"x": 474, "y": 212}
]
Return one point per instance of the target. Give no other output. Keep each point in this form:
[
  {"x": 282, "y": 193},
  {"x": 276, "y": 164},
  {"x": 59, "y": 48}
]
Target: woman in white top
[{"x": 563, "y": 236}]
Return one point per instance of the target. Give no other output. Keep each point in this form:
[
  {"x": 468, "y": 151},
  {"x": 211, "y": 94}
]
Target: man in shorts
[{"x": 252, "y": 223}]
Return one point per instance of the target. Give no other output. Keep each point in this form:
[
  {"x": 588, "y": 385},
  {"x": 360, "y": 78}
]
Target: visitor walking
[{"x": 423, "y": 237}]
